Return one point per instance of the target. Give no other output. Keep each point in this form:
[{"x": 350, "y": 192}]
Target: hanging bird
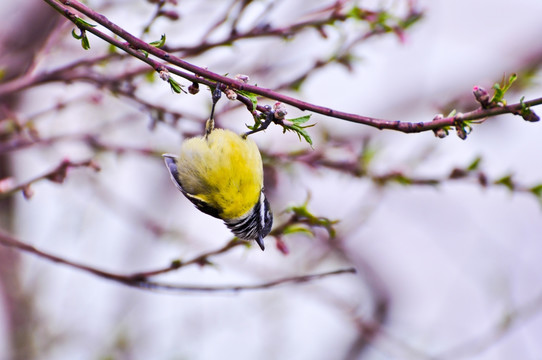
[{"x": 221, "y": 173}]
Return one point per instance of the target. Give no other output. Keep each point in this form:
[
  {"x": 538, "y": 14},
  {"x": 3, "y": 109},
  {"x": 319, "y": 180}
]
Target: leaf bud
[
  {"x": 242, "y": 78},
  {"x": 193, "y": 88},
  {"x": 481, "y": 95},
  {"x": 280, "y": 111},
  {"x": 230, "y": 94}
]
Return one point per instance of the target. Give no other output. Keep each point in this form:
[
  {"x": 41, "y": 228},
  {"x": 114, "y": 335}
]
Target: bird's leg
[{"x": 210, "y": 125}]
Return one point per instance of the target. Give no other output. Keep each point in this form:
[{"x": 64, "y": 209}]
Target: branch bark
[{"x": 136, "y": 47}]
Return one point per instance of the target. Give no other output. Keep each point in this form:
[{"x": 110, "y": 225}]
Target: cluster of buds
[
  {"x": 230, "y": 94},
  {"x": 164, "y": 74},
  {"x": 279, "y": 111}
]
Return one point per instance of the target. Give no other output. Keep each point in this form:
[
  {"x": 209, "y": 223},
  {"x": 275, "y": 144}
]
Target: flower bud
[
  {"x": 230, "y": 94},
  {"x": 440, "y": 132},
  {"x": 242, "y": 78},
  {"x": 193, "y": 88},
  {"x": 461, "y": 132},
  {"x": 280, "y": 111},
  {"x": 481, "y": 95},
  {"x": 164, "y": 74},
  {"x": 530, "y": 116}
]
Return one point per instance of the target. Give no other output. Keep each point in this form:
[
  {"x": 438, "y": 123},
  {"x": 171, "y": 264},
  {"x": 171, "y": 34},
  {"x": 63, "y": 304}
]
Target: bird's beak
[{"x": 259, "y": 240}]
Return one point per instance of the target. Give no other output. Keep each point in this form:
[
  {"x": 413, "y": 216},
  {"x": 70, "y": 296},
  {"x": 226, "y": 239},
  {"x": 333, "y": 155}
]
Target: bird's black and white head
[{"x": 256, "y": 224}]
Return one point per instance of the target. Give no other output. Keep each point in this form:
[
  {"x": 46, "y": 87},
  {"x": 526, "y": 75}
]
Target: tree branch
[
  {"x": 237, "y": 288},
  {"x": 509, "y": 321},
  {"x": 136, "y": 47},
  {"x": 139, "y": 281},
  {"x": 57, "y": 175}
]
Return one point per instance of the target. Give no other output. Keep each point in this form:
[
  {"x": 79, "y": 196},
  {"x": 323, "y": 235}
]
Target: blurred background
[{"x": 445, "y": 271}]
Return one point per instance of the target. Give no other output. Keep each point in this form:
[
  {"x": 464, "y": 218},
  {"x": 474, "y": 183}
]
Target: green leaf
[
  {"x": 177, "y": 263},
  {"x": 298, "y": 128},
  {"x": 292, "y": 229},
  {"x": 175, "y": 86},
  {"x": 159, "y": 43},
  {"x": 74, "y": 34},
  {"x": 506, "y": 181},
  {"x": 511, "y": 80},
  {"x": 526, "y": 112},
  {"x": 537, "y": 190},
  {"x": 301, "y": 120},
  {"x": 149, "y": 76},
  {"x": 82, "y": 23},
  {"x": 301, "y": 210},
  {"x": 257, "y": 118},
  {"x": 366, "y": 157},
  {"x": 84, "y": 42},
  {"x": 381, "y": 21},
  {"x": 306, "y": 217},
  {"x": 501, "y": 89},
  {"x": 83, "y": 37},
  {"x": 112, "y": 49},
  {"x": 463, "y": 129},
  {"x": 355, "y": 13},
  {"x": 411, "y": 20},
  {"x": 402, "y": 179},
  {"x": 475, "y": 164},
  {"x": 257, "y": 123},
  {"x": 251, "y": 96},
  {"x": 296, "y": 85}
]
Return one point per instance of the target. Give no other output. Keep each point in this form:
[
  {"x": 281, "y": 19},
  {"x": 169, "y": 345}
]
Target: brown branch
[
  {"x": 138, "y": 282},
  {"x": 57, "y": 175},
  {"x": 65, "y": 73},
  {"x": 356, "y": 167},
  {"x": 134, "y": 46},
  {"x": 236, "y": 288},
  {"x": 202, "y": 48},
  {"x": 261, "y": 30},
  {"x": 201, "y": 260}
]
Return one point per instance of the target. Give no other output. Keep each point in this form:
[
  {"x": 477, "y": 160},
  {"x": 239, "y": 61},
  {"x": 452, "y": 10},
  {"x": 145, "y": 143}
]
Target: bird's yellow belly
[{"x": 224, "y": 170}]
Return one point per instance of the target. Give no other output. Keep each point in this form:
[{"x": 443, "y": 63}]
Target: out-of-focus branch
[
  {"x": 65, "y": 73},
  {"x": 358, "y": 167},
  {"x": 57, "y": 175},
  {"x": 319, "y": 19},
  {"x": 510, "y": 321},
  {"x": 201, "y": 260},
  {"x": 238, "y": 288},
  {"x": 139, "y": 281}
]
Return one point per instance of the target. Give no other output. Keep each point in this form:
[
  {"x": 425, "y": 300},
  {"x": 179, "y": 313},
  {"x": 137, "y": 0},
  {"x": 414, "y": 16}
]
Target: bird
[{"x": 221, "y": 173}]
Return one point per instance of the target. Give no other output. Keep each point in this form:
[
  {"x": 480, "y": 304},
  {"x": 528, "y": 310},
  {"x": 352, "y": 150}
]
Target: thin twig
[
  {"x": 510, "y": 321},
  {"x": 238, "y": 288},
  {"x": 57, "y": 175},
  {"x": 201, "y": 260},
  {"x": 204, "y": 76},
  {"x": 137, "y": 282}
]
